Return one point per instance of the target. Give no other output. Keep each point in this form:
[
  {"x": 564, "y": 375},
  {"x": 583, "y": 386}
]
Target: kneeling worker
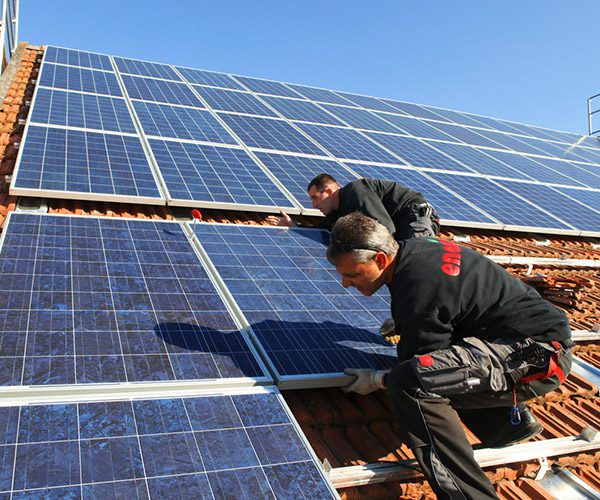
[{"x": 474, "y": 340}]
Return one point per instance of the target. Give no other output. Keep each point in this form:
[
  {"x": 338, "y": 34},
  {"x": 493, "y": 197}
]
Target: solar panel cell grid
[
  {"x": 200, "y": 77},
  {"x": 368, "y": 102},
  {"x": 413, "y": 110},
  {"x": 77, "y": 58},
  {"x": 151, "y": 89},
  {"x": 86, "y": 80},
  {"x": 417, "y": 153},
  {"x": 85, "y": 162},
  {"x": 73, "y": 109},
  {"x": 266, "y": 87},
  {"x": 101, "y": 301},
  {"x": 590, "y": 198},
  {"x": 269, "y": 134},
  {"x": 467, "y": 135},
  {"x": 213, "y": 174},
  {"x": 240, "y": 102},
  {"x": 295, "y": 109},
  {"x": 360, "y": 118},
  {"x": 416, "y": 127},
  {"x": 198, "y": 447},
  {"x": 145, "y": 68},
  {"x": 295, "y": 172},
  {"x": 308, "y": 324},
  {"x": 448, "y": 206},
  {"x": 347, "y": 143},
  {"x": 498, "y": 202},
  {"x": 574, "y": 176},
  {"x": 321, "y": 95},
  {"x": 181, "y": 123}
]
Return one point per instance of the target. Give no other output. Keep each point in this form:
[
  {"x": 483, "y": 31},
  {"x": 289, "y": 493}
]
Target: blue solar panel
[
  {"x": 577, "y": 176},
  {"x": 558, "y": 205},
  {"x": 145, "y": 68},
  {"x": 307, "y": 323},
  {"x": 368, "y": 102},
  {"x": 348, "y": 143},
  {"x": 498, "y": 202},
  {"x": 532, "y": 131},
  {"x": 295, "y": 172},
  {"x": 467, "y": 135},
  {"x": 547, "y": 148},
  {"x": 590, "y": 198},
  {"x": 209, "y": 174},
  {"x": 266, "y": 87},
  {"x": 269, "y": 134},
  {"x": 532, "y": 167},
  {"x": 210, "y": 78},
  {"x": 73, "y": 109},
  {"x": 77, "y": 58},
  {"x": 586, "y": 154},
  {"x": 230, "y": 100},
  {"x": 151, "y": 89},
  {"x": 592, "y": 178},
  {"x": 416, "y": 127},
  {"x": 448, "y": 206},
  {"x": 417, "y": 153},
  {"x": 89, "y": 300},
  {"x": 478, "y": 161},
  {"x": 60, "y": 160},
  {"x": 181, "y": 123},
  {"x": 493, "y": 123},
  {"x": 455, "y": 117},
  {"x": 216, "y": 446},
  {"x": 321, "y": 95},
  {"x": 360, "y": 118},
  {"x": 295, "y": 109},
  {"x": 86, "y": 80},
  {"x": 511, "y": 142},
  {"x": 414, "y": 110}
]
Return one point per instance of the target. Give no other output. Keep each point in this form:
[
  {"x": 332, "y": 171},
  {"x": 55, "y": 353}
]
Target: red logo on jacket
[{"x": 450, "y": 258}]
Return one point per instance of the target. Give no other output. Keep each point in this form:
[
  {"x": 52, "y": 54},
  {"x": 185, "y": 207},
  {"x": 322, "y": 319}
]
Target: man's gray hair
[{"x": 360, "y": 236}]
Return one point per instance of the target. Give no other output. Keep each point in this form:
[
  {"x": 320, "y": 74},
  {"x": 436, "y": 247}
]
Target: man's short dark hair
[{"x": 321, "y": 181}]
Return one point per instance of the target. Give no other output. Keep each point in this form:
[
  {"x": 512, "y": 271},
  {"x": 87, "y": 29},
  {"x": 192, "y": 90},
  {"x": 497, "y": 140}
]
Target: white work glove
[
  {"x": 367, "y": 381},
  {"x": 285, "y": 220}
]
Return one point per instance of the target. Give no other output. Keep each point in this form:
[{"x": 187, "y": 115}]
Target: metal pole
[
  {"x": 15, "y": 22},
  {"x": 590, "y": 116},
  {"x": 3, "y": 34}
]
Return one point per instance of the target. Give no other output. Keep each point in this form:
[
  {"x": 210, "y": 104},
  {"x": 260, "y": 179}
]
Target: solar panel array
[{"x": 302, "y": 126}]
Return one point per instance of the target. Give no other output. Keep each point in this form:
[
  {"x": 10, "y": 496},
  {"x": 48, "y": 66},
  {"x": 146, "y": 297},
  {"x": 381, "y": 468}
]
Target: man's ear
[
  {"x": 381, "y": 259},
  {"x": 329, "y": 191}
]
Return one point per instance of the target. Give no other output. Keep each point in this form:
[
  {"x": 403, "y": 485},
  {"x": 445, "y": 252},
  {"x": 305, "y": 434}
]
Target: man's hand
[
  {"x": 284, "y": 220},
  {"x": 367, "y": 381}
]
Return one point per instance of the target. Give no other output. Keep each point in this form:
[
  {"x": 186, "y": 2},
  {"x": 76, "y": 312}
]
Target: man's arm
[{"x": 284, "y": 220}]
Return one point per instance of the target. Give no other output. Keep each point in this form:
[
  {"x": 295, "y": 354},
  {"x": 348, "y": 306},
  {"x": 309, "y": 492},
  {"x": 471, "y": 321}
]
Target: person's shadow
[{"x": 293, "y": 347}]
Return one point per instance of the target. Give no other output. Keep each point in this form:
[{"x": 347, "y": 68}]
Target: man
[
  {"x": 404, "y": 212},
  {"x": 474, "y": 338}
]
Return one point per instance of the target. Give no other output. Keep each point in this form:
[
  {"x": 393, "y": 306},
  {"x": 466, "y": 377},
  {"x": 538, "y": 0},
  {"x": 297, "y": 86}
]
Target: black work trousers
[{"x": 473, "y": 375}]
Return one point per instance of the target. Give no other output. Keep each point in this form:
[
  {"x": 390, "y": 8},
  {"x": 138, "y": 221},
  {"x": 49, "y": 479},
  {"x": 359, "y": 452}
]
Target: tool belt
[{"x": 553, "y": 366}]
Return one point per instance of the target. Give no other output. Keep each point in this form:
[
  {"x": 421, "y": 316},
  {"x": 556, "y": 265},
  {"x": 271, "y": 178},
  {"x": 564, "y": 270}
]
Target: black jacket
[
  {"x": 442, "y": 292},
  {"x": 384, "y": 201}
]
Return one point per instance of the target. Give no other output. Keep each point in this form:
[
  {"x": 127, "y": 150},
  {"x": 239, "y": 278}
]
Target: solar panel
[
  {"x": 193, "y": 447},
  {"x": 199, "y": 175},
  {"x": 210, "y": 78},
  {"x": 145, "y": 68},
  {"x": 577, "y": 176},
  {"x": 368, "y": 102},
  {"x": 360, "y": 118},
  {"x": 455, "y": 117},
  {"x": 348, "y": 143},
  {"x": 86, "y": 80},
  {"x": 268, "y": 133},
  {"x": 58, "y": 162},
  {"x": 478, "y": 161},
  {"x": 58, "y": 107},
  {"x": 295, "y": 109},
  {"x": 467, "y": 135},
  {"x": 592, "y": 180},
  {"x": 416, "y": 127},
  {"x": 448, "y": 206},
  {"x": 100, "y": 300},
  {"x": 413, "y": 110},
  {"x": 320, "y": 95},
  {"x": 575, "y": 214},
  {"x": 416, "y": 152},
  {"x": 586, "y": 154},
  {"x": 493, "y": 123},
  {"x": 178, "y": 122},
  {"x": 77, "y": 58},
  {"x": 590, "y": 198},
  {"x": 230, "y": 100},
  {"x": 310, "y": 327},
  {"x": 266, "y": 86},
  {"x": 151, "y": 89},
  {"x": 510, "y": 142},
  {"x": 498, "y": 202},
  {"x": 295, "y": 172}
]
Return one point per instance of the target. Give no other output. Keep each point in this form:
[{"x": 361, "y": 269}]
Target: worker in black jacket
[
  {"x": 474, "y": 340},
  {"x": 404, "y": 212}
]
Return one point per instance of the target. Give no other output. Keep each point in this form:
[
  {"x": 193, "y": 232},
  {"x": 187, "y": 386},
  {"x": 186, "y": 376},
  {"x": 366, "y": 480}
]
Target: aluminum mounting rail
[{"x": 544, "y": 261}]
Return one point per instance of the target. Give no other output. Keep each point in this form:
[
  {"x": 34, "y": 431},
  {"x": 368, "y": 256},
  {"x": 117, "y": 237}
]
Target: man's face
[
  {"x": 321, "y": 199},
  {"x": 366, "y": 277}
]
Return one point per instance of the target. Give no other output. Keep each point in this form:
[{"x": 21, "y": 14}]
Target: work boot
[{"x": 508, "y": 433}]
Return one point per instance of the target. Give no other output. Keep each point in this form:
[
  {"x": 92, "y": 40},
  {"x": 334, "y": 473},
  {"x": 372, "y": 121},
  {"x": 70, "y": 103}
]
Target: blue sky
[{"x": 530, "y": 61}]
